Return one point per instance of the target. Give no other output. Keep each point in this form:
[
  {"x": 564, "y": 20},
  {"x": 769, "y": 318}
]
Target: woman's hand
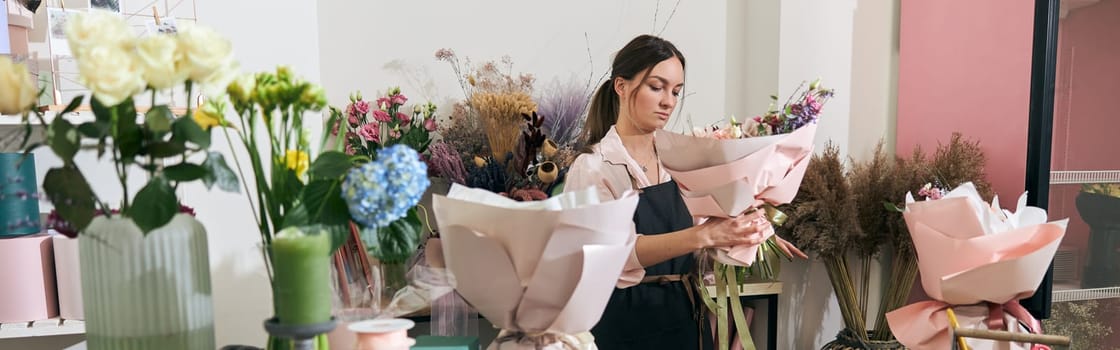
[
  {"x": 749, "y": 229},
  {"x": 789, "y": 248}
]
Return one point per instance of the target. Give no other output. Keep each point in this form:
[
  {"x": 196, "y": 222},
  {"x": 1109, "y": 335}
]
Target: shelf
[
  {"x": 42, "y": 328},
  {"x": 80, "y": 115},
  {"x": 1085, "y": 294}
]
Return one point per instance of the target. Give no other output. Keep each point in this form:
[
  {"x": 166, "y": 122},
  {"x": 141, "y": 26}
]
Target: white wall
[
  {"x": 874, "y": 76},
  {"x": 362, "y": 41}
]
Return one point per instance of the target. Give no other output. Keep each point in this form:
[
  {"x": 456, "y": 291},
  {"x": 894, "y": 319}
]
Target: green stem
[
  {"x": 119, "y": 166},
  {"x": 190, "y": 87},
  {"x": 244, "y": 184}
]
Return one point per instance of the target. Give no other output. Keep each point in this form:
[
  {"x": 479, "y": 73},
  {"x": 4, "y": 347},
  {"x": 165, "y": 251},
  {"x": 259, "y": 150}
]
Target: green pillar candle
[{"x": 301, "y": 287}]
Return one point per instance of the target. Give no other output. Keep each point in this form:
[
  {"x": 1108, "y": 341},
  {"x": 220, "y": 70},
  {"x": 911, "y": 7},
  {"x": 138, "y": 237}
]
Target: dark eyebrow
[{"x": 664, "y": 81}]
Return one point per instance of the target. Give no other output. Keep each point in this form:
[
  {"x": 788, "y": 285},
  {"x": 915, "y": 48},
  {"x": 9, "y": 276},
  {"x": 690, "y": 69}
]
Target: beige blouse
[{"x": 610, "y": 169}]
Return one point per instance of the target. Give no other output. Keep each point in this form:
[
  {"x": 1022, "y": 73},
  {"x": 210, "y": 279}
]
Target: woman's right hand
[{"x": 748, "y": 229}]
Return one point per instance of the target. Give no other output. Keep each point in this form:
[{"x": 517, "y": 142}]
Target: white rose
[
  {"x": 111, "y": 74},
  {"x": 161, "y": 61},
  {"x": 18, "y": 90},
  {"x": 97, "y": 28},
  {"x": 205, "y": 51},
  {"x": 219, "y": 80}
]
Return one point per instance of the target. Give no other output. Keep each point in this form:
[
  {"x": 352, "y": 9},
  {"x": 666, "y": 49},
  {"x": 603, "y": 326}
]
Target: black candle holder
[{"x": 302, "y": 336}]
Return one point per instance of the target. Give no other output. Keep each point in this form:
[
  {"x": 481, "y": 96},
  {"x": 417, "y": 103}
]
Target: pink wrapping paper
[
  {"x": 728, "y": 177},
  {"x": 537, "y": 270},
  {"x": 972, "y": 253}
]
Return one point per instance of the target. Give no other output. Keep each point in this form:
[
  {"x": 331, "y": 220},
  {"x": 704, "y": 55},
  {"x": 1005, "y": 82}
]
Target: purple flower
[
  {"x": 382, "y": 116},
  {"x": 370, "y": 132}
]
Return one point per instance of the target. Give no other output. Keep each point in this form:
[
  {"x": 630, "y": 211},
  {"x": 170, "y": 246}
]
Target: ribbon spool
[
  {"x": 19, "y": 199},
  {"x": 385, "y": 334}
]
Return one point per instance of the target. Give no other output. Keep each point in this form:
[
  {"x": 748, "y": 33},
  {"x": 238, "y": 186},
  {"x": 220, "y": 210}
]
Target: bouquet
[
  {"x": 731, "y": 170},
  {"x": 977, "y": 259},
  {"x": 542, "y": 271}
]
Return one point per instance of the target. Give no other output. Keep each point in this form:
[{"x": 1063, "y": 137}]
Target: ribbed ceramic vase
[{"x": 146, "y": 291}]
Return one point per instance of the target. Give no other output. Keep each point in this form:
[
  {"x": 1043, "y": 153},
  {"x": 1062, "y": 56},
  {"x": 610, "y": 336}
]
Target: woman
[{"x": 654, "y": 307}]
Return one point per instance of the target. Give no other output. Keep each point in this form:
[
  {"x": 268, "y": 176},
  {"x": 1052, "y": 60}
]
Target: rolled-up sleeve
[{"x": 588, "y": 170}]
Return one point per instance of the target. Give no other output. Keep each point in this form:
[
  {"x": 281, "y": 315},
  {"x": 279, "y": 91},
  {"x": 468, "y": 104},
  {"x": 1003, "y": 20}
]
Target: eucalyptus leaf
[
  {"x": 74, "y": 104},
  {"x": 165, "y": 149},
  {"x": 63, "y": 139},
  {"x": 330, "y": 164},
  {"x": 186, "y": 129},
  {"x": 94, "y": 129},
  {"x": 71, "y": 195},
  {"x": 184, "y": 172},
  {"x": 159, "y": 118},
  {"x": 218, "y": 172},
  {"x": 154, "y": 205}
]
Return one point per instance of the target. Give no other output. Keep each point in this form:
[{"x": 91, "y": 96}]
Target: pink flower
[
  {"x": 361, "y": 107},
  {"x": 398, "y": 99},
  {"x": 384, "y": 103},
  {"x": 430, "y": 124},
  {"x": 382, "y": 116},
  {"x": 370, "y": 132},
  {"x": 395, "y": 134},
  {"x": 353, "y": 119},
  {"x": 404, "y": 118}
]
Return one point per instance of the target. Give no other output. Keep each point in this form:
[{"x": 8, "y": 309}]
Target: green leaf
[
  {"x": 398, "y": 241},
  {"x": 63, "y": 139},
  {"x": 154, "y": 205},
  {"x": 165, "y": 149},
  {"x": 71, "y": 195},
  {"x": 184, "y": 172},
  {"x": 297, "y": 216},
  {"x": 217, "y": 172},
  {"x": 324, "y": 202},
  {"x": 330, "y": 165},
  {"x": 129, "y": 137},
  {"x": 185, "y": 129},
  {"x": 94, "y": 130},
  {"x": 159, "y": 119},
  {"x": 892, "y": 207},
  {"x": 74, "y": 103}
]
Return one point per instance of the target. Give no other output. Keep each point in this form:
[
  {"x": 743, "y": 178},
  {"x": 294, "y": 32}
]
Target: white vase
[{"x": 146, "y": 291}]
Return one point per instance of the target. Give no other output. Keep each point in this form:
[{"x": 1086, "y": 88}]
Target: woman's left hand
[{"x": 789, "y": 248}]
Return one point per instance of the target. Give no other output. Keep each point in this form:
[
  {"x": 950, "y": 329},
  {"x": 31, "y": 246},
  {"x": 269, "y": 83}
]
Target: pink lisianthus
[
  {"x": 361, "y": 107},
  {"x": 430, "y": 124},
  {"x": 382, "y": 116},
  {"x": 370, "y": 132},
  {"x": 354, "y": 120},
  {"x": 398, "y": 99},
  {"x": 384, "y": 103},
  {"x": 404, "y": 118},
  {"x": 394, "y": 134}
]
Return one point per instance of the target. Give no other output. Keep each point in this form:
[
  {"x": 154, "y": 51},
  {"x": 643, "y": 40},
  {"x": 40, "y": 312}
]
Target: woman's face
[{"x": 650, "y": 105}]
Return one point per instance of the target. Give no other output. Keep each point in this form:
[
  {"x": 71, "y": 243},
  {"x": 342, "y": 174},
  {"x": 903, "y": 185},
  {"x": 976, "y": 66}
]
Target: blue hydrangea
[{"x": 382, "y": 191}]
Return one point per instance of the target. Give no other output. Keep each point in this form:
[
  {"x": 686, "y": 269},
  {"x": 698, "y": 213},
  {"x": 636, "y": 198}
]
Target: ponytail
[{"x": 602, "y": 114}]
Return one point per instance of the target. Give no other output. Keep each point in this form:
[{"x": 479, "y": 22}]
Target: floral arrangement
[
  {"x": 382, "y": 195},
  {"x": 369, "y": 128},
  {"x": 802, "y": 108},
  {"x": 116, "y": 65},
  {"x": 529, "y": 142}
]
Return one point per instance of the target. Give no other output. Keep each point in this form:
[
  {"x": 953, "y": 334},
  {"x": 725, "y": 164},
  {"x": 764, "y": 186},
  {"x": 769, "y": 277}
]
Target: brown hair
[{"x": 639, "y": 55}]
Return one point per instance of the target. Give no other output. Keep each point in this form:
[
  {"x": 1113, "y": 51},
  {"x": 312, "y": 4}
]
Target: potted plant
[
  {"x": 1099, "y": 206},
  {"x": 144, "y": 264}
]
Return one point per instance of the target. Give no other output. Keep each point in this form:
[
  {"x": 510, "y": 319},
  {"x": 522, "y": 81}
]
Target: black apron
[{"x": 656, "y": 315}]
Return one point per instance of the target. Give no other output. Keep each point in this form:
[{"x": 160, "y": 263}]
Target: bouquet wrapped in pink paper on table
[
  {"x": 978, "y": 259},
  {"x": 542, "y": 271}
]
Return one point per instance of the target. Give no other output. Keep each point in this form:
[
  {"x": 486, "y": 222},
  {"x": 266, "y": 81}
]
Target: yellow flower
[
  {"x": 297, "y": 160},
  {"x": 209, "y": 114}
]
